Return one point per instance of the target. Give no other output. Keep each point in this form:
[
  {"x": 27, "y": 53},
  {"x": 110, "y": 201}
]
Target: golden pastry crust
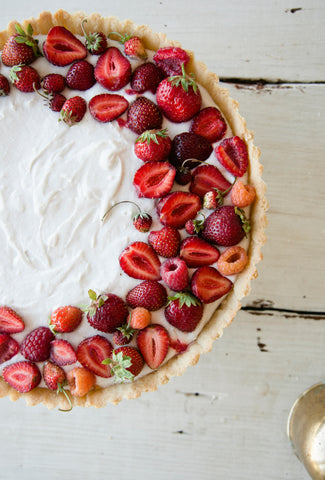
[{"x": 226, "y": 312}]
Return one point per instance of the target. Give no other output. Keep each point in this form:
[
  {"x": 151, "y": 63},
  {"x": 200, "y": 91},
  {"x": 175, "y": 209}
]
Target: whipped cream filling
[{"x": 56, "y": 184}]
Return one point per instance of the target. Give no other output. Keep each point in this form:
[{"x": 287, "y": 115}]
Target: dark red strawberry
[
  {"x": 189, "y": 145},
  {"x": 232, "y": 154},
  {"x": 184, "y": 312},
  {"x": 36, "y": 346},
  {"x": 113, "y": 70},
  {"x": 80, "y": 76},
  {"x": 10, "y": 321},
  {"x": 176, "y": 208},
  {"x": 154, "y": 179},
  {"x": 22, "y": 376},
  {"x": 153, "y": 146},
  {"x": 165, "y": 242},
  {"x": 123, "y": 335},
  {"x": 92, "y": 351},
  {"x": 196, "y": 252},
  {"x": 65, "y": 319},
  {"x": 133, "y": 46},
  {"x": 73, "y": 110},
  {"x": 125, "y": 363},
  {"x": 25, "y": 78},
  {"x": 139, "y": 260},
  {"x": 20, "y": 48},
  {"x": 210, "y": 124},
  {"x": 146, "y": 77},
  {"x": 195, "y": 225},
  {"x": 106, "y": 312},
  {"x": 53, "y": 83},
  {"x": 209, "y": 285},
  {"x": 225, "y": 226},
  {"x": 54, "y": 101},
  {"x": 153, "y": 343},
  {"x": 143, "y": 115},
  {"x": 149, "y": 294},
  {"x": 54, "y": 376},
  {"x": 175, "y": 274},
  {"x": 206, "y": 178},
  {"x": 62, "y": 352},
  {"x": 4, "y": 86},
  {"x": 9, "y": 347},
  {"x": 142, "y": 222},
  {"x": 96, "y": 42},
  {"x": 183, "y": 176},
  {"x": 171, "y": 59},
  {"x": 106, "y": 107},
  {"x": 61, "y": 47}
]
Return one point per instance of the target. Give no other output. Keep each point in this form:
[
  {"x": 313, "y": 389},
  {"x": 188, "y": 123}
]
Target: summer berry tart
[{"x": 100, "y": 303}]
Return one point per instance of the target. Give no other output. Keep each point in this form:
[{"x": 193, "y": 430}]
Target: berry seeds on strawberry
[
  {"x": 73, "y": 110},
  {"x": 146, "y": 77},
  {"x": 65, "y": 319},
  {"x": 133, "y": 46},
  {"x": 4, "y": 86},
  {"x": 96, "y": 42},
  {"x": 143, "y": 114},
  {"x": 142, "y": 221},
  {"x": 80, "y": 76},
  {"x": 113, "y": 70},
  {"x": 54, "y": 101},
  {"x": 53, "y": 83},
  {"x": 184, "y": 311},
  {"x": 36, "y": 346},
  {"x": 106, "y": 312},
  {"x": 106, "y": 107},
  {"x": 153, "y": 146},
  {"x": 171, "y": 59},
  {"x": 55, "y": 379},
  {"x": 20, "y": 48},
  {"x": 226, "y": 226},
  {"x": 165, "y": 242},
  {"x": 61, "y": 47},
  {"x": 149, "y": 294},
  {"x": 25, "y": 78},
  {"x": 125, "y": 363}
]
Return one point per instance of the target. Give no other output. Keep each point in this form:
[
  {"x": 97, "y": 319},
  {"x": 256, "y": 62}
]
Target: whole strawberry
[
  {"x": 65, "y": 319},
  {"x": 4, "y": 86},
  {"x": 55, "y": 379},
  {"x": 96, "y": 42},
  {"x": 186, "y": 146},
  {"x": 146, "y": 77},
  {"x": 25, "y": 78},
  {"x": 73, "y": 110},
  {"x": 149, "y": 294},
  {"x": 141, "y": 221},
  {"x": 133, "y": 46},
  {"x": 53, "y": 83},
  {"x": 165, "y": 242},
  {"x": 184, "y": 312},
  {"x": 153, "y": 146},
  {"x": 179, "y": 97},
  {"x": 80, "y": 76},
  {"x": 20, "y": 48},
  {"x": 125, "y": 363},
  {"x": 106, "y": 312},
  {"x": 37, "y": 344},
  {"x": 226, "y": 226},
  {"x": 123, "y": 335},
  {"x": 143, "y": 114},
  {"x": 54, "y": 101}
]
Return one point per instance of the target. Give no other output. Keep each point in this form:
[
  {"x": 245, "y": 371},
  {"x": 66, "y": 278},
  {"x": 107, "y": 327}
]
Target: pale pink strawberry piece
[
  {"x": 196, "y": 252},
  {"x": 10, "y": 321},
  {"x": 92, "y": 351},
  {"x": 139, "y": 260},
  {"x": 62, "y": 352},
  {"x": 176, "y": 208},
  {"x": 232, "y": 154},
  {"x": 113, "y": 70},
  {"x": 106, "y": 107},
  {"x": 206, "y": 178},
  {"x": 153, "y": 343},
  {"x": 9, "y": 347},
  {"x": 208, "y": 284},
  {"x": 154, "y": 179}
]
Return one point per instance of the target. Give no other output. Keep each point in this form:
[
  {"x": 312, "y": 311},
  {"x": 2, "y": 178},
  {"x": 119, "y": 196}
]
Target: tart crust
[{"x": 227, "y": 310}]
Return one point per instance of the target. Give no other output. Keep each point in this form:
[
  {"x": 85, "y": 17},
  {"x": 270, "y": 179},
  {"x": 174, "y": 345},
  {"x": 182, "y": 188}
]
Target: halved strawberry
[
  {"x": 62, "y": 352},
  {"x": 196, "y": 252},
  {"x": 170, "y": 60},
  {"x": 209, "y": 123},
  {"x": 9, "y": 347},
  {"x": 139, "y": 260},
  {"x": 113, "y": 70},
  {"x": 107, "y": 106},
  {"x": 232, "y": 154},
  {"x": 61, "y": 47},
  {"x": 177, "y": 208},
  {"x": 22, "y": 376},
  {"x": 209, "y": 285},
  {"x": 92, "y": 351},
  {"x": 10, "y": 321},
  {"x": 206, "y": 178},
  {"x": 154, "y": 179},
  {"x": 153, "y": 343}
]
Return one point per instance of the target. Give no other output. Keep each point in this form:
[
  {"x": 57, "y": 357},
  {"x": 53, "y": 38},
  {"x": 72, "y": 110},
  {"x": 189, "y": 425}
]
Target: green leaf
[
  {"x": 184, "y": 298},
  {"x": 21, "y": 39},
  {"x": 30, "y": 30},
  {"x": 92, "y": 295},
  {"x": 20, "y": 30}
]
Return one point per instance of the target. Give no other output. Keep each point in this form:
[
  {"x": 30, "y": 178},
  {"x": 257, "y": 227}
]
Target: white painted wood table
[{"x": 226, "y": 417}]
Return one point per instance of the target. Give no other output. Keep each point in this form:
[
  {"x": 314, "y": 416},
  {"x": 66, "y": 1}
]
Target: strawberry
[
  {"x": 61, "y": 47},
  {"x": 133, "y": 46},
  {"x": 149, "y": 294},
  {"x": 179, "y": 346},
  {"x": 141, "y": 221},
  {"x": 183, "y": 176},
  {"x": 62, "y": 352},
  {"x": 54, "y": 101},
  {"x": 113, "y": 70},
  {"x": 80, "y": 381},
  {"x": 184, "y": 311},
  {"x": 106, "y": 107},
  {"x": 139, "y": 260},
  {"x": 195, "y": 225},
  {"x": 153, "y": 343},
  {"x": 225, "y": 226},
  {"x": 165, "y": 242},
  {"x": 179, "y": 97},
  {"x": 92, "y": 351},
  {"x": 197, "y": 252},
  {"x": 54, "y": 376},
  {"x": 209, "y": 285},
  {"x": 123, "y": 335},
  {"x": 10, "y": 321},
  {"x": 175, "y": 274},
  {"x": 25, "y": 78},
  {"x": 176, "y": 208},
  {"x": 189, "y": 146},
  {"x": 80, "y": 76},
  {"x": 65, "y": 319},
  {"x": 153, "y": 146},
  {"x": 22, "y": 376},
  {"x": 4, "y": 86},
  {"x": 9, "y": 347},
  {"x": 146, "y": 77},
  {"x": 143, "y": 115},
  {"x": 20, "y": 48},
  {"x": 106, "y": 312},
  {"x": 73, "y": 110},
  {"x": 125, "y": 363},
  {"x": 232, "y": 154},
  {"x": 171, "y": 59},
  {"x": 139, "y": 318},
  {"x": 96, "y": 42},
  {"x": 206, "y": 178},
  {"x": 210, "y": 124},
  {"x": 36, "y": 346},
  {"x": 53, "y": 83},
  {"x": 154, "y": 179}
]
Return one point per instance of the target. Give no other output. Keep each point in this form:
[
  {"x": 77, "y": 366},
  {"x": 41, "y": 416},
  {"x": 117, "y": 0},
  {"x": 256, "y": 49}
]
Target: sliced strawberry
[
  {"x": 9, "y": 347},
  {"x": 139, "y": 260},
  {"x": 61, "y": 47},
  {"x": 206, "y": 178},
  {"x": 196, "y": 252},
  {"x": 10, "y": 321},
  {"x": 113, "y": 70},
  {"x": 92, "y": 351},
  {"x": 62, "y": 352},
  {"x": 154, "y": 179},
  {"x": 107, "y": 106},
  {"x": 209, "y": 285},
  {"x": 177, "y": 208},
  {"x": 170, "y": 60},
  {"x": 210, "y": 124},
  {"x": 153, "y": 343},
  {"x": 232, "y": 154},
  {"x": 22, "y": 376}
]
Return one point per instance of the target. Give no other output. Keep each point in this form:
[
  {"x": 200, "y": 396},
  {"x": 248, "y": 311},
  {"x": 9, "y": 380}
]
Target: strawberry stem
[
  {"x": 60, "y": 389},
  {"x": 123, "y": 38},
  {"x": 119, "y": 203}
]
